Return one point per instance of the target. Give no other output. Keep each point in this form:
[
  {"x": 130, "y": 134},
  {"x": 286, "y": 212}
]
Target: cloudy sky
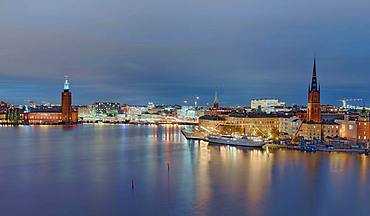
[{"x": 168, "y": 51}]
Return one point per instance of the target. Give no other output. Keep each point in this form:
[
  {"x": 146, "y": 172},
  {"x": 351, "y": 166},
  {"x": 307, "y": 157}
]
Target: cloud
[{"x": 135, "y": 51}]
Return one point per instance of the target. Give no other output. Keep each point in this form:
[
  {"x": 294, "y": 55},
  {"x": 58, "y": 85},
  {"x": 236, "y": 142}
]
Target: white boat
[{"x": 237, "y": 140}]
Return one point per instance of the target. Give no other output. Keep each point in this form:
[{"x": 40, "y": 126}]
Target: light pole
[{"x": 196, "y": 101}]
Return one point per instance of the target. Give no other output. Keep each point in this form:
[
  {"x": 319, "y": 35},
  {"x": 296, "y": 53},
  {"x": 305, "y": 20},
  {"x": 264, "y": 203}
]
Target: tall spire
[
  {"x": 216, "y": 98},
  {"x": 215, "y": 102},
  {"x": 314, "y": 77}
]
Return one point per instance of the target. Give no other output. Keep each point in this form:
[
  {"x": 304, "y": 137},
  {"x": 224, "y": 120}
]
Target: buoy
[
  {"x": 132, "y": 184},
  {"x": 168, "y": 167}
]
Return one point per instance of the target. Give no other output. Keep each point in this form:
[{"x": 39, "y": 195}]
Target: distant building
[
  {"x": 348, "y": 128},
  {"x": 313, "y": 128},
  {"x": 107, "y": 108},
  {"x": 86, "y": 112},
  {"x": 66, "y": 104},
  {"x": 186, "y": 112},
  {"x": 313, "y": 106},
  {"x": 267, "y": 105},
  {"x": 63, "y": 115}
]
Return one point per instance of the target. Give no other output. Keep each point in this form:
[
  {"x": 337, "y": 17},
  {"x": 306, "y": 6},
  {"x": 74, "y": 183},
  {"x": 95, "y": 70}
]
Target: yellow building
[{"x": 319, "y": 131}]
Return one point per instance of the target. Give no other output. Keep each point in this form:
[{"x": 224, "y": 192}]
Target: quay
[{"x": 197, "y": 135}]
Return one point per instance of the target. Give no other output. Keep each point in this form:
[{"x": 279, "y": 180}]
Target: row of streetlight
[{"x": 195, "y": 101}]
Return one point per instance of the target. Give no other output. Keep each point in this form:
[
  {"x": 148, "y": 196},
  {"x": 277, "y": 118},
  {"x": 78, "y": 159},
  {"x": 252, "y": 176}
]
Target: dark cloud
[{"x": 169, "y": 51}]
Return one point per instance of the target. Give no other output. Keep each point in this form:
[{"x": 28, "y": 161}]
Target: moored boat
[{"x": 256, "y": 142}]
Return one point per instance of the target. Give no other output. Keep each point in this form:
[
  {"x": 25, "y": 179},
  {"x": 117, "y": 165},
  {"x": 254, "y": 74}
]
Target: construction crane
[{"x": 345, "y": 101}]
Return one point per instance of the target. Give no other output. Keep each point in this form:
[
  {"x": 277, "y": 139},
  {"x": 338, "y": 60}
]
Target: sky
[{"x": 168, "y": 51}]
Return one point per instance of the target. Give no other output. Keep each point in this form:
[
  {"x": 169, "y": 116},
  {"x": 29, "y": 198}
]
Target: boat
[{"x": 246, "y": 141}]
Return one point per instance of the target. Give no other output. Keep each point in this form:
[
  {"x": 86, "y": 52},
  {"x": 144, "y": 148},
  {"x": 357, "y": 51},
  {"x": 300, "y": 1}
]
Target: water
[{"x": 87, "y": 170}]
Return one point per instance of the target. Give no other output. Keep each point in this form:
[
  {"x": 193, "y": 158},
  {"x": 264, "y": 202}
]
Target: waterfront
[{"x": 87, "y": 170}]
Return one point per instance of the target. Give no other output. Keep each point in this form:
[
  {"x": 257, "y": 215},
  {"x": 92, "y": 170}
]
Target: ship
[{"x": 256, "y": 142}]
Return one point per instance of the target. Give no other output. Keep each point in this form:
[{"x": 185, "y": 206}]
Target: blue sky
[{"x": 167, "y": 51}]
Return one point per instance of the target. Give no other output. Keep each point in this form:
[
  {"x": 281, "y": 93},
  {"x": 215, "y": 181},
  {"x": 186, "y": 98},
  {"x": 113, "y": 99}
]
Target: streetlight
[{"x": 196, "y": 101}]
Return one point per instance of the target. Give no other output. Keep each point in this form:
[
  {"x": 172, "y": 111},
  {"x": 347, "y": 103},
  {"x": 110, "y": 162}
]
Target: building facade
[{"x": 267, "y": 105}]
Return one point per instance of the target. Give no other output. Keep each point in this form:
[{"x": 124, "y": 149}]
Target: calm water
[{"x": 87, "y": 170}]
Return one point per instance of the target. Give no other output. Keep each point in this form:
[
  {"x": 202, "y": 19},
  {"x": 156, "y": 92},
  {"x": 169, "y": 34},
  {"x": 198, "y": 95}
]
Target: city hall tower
[{"x": 66, "y": 103}]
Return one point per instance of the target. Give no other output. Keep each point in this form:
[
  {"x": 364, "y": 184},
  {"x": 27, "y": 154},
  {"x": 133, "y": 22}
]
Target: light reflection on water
[{"x": 87, "y": 170}]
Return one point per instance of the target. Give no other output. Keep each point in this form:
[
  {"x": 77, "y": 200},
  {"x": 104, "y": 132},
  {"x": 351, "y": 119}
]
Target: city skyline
[
  {"x": 204, "y": 100},
  {"x": 139, "y": 52}
]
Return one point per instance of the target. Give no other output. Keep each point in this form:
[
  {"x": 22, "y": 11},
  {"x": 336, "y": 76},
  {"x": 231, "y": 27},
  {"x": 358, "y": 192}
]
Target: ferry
[{"x": 256, "y": 142}]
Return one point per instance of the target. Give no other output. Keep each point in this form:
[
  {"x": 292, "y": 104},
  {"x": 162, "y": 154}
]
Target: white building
[
  {"x": 267, "y": 105},
  {"x": 186, "y": 112}
]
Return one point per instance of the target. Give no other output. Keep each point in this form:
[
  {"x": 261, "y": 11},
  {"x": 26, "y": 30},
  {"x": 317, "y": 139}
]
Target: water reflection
[{"x": 95, "y": 164}]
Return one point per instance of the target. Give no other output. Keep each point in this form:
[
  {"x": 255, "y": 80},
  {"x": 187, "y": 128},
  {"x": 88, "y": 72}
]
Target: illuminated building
[
  {"x": 66, "y": 103},
  {"x": 348, "y": 128},
  {"x": 267, "y": 105},
  {"x": 313, "y": 128},
  {"x": 313, "y": 106},
  {"x": 63, "y": 115},
  {"x": 107, "y": 108},
  {"x": 86, "y": 112},
  {"x": 363, "y": 128}
]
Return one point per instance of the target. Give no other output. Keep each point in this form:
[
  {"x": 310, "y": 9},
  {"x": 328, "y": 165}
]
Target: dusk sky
[{"x": 168, "y": 51}]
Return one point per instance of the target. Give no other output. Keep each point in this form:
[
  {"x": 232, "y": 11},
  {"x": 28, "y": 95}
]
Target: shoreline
[{"x": 291, "y": 147}]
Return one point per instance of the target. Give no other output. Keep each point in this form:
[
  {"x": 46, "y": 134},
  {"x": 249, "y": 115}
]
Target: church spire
[
  {"x": 215, "y": 102},
  {"x": 314, "y": 77}
]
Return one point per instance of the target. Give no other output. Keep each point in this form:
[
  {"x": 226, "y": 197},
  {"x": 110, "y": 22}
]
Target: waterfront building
[
  {"x": 211, "y": 123},
  {"x": 319, "y": 131},
  {"x": 310, "y": 131},
  {"x": 107, "y": 108},
  {"x": 348, "y": 128},
  {"x": 363, "y": 128},
  {"x": 330, "y": 131},
  {"x": 256, "y": 124},
  {"x": 66, "y": 107},
  {"x": 86, "y": 113},
  {"x": 54, "y": 115}
]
